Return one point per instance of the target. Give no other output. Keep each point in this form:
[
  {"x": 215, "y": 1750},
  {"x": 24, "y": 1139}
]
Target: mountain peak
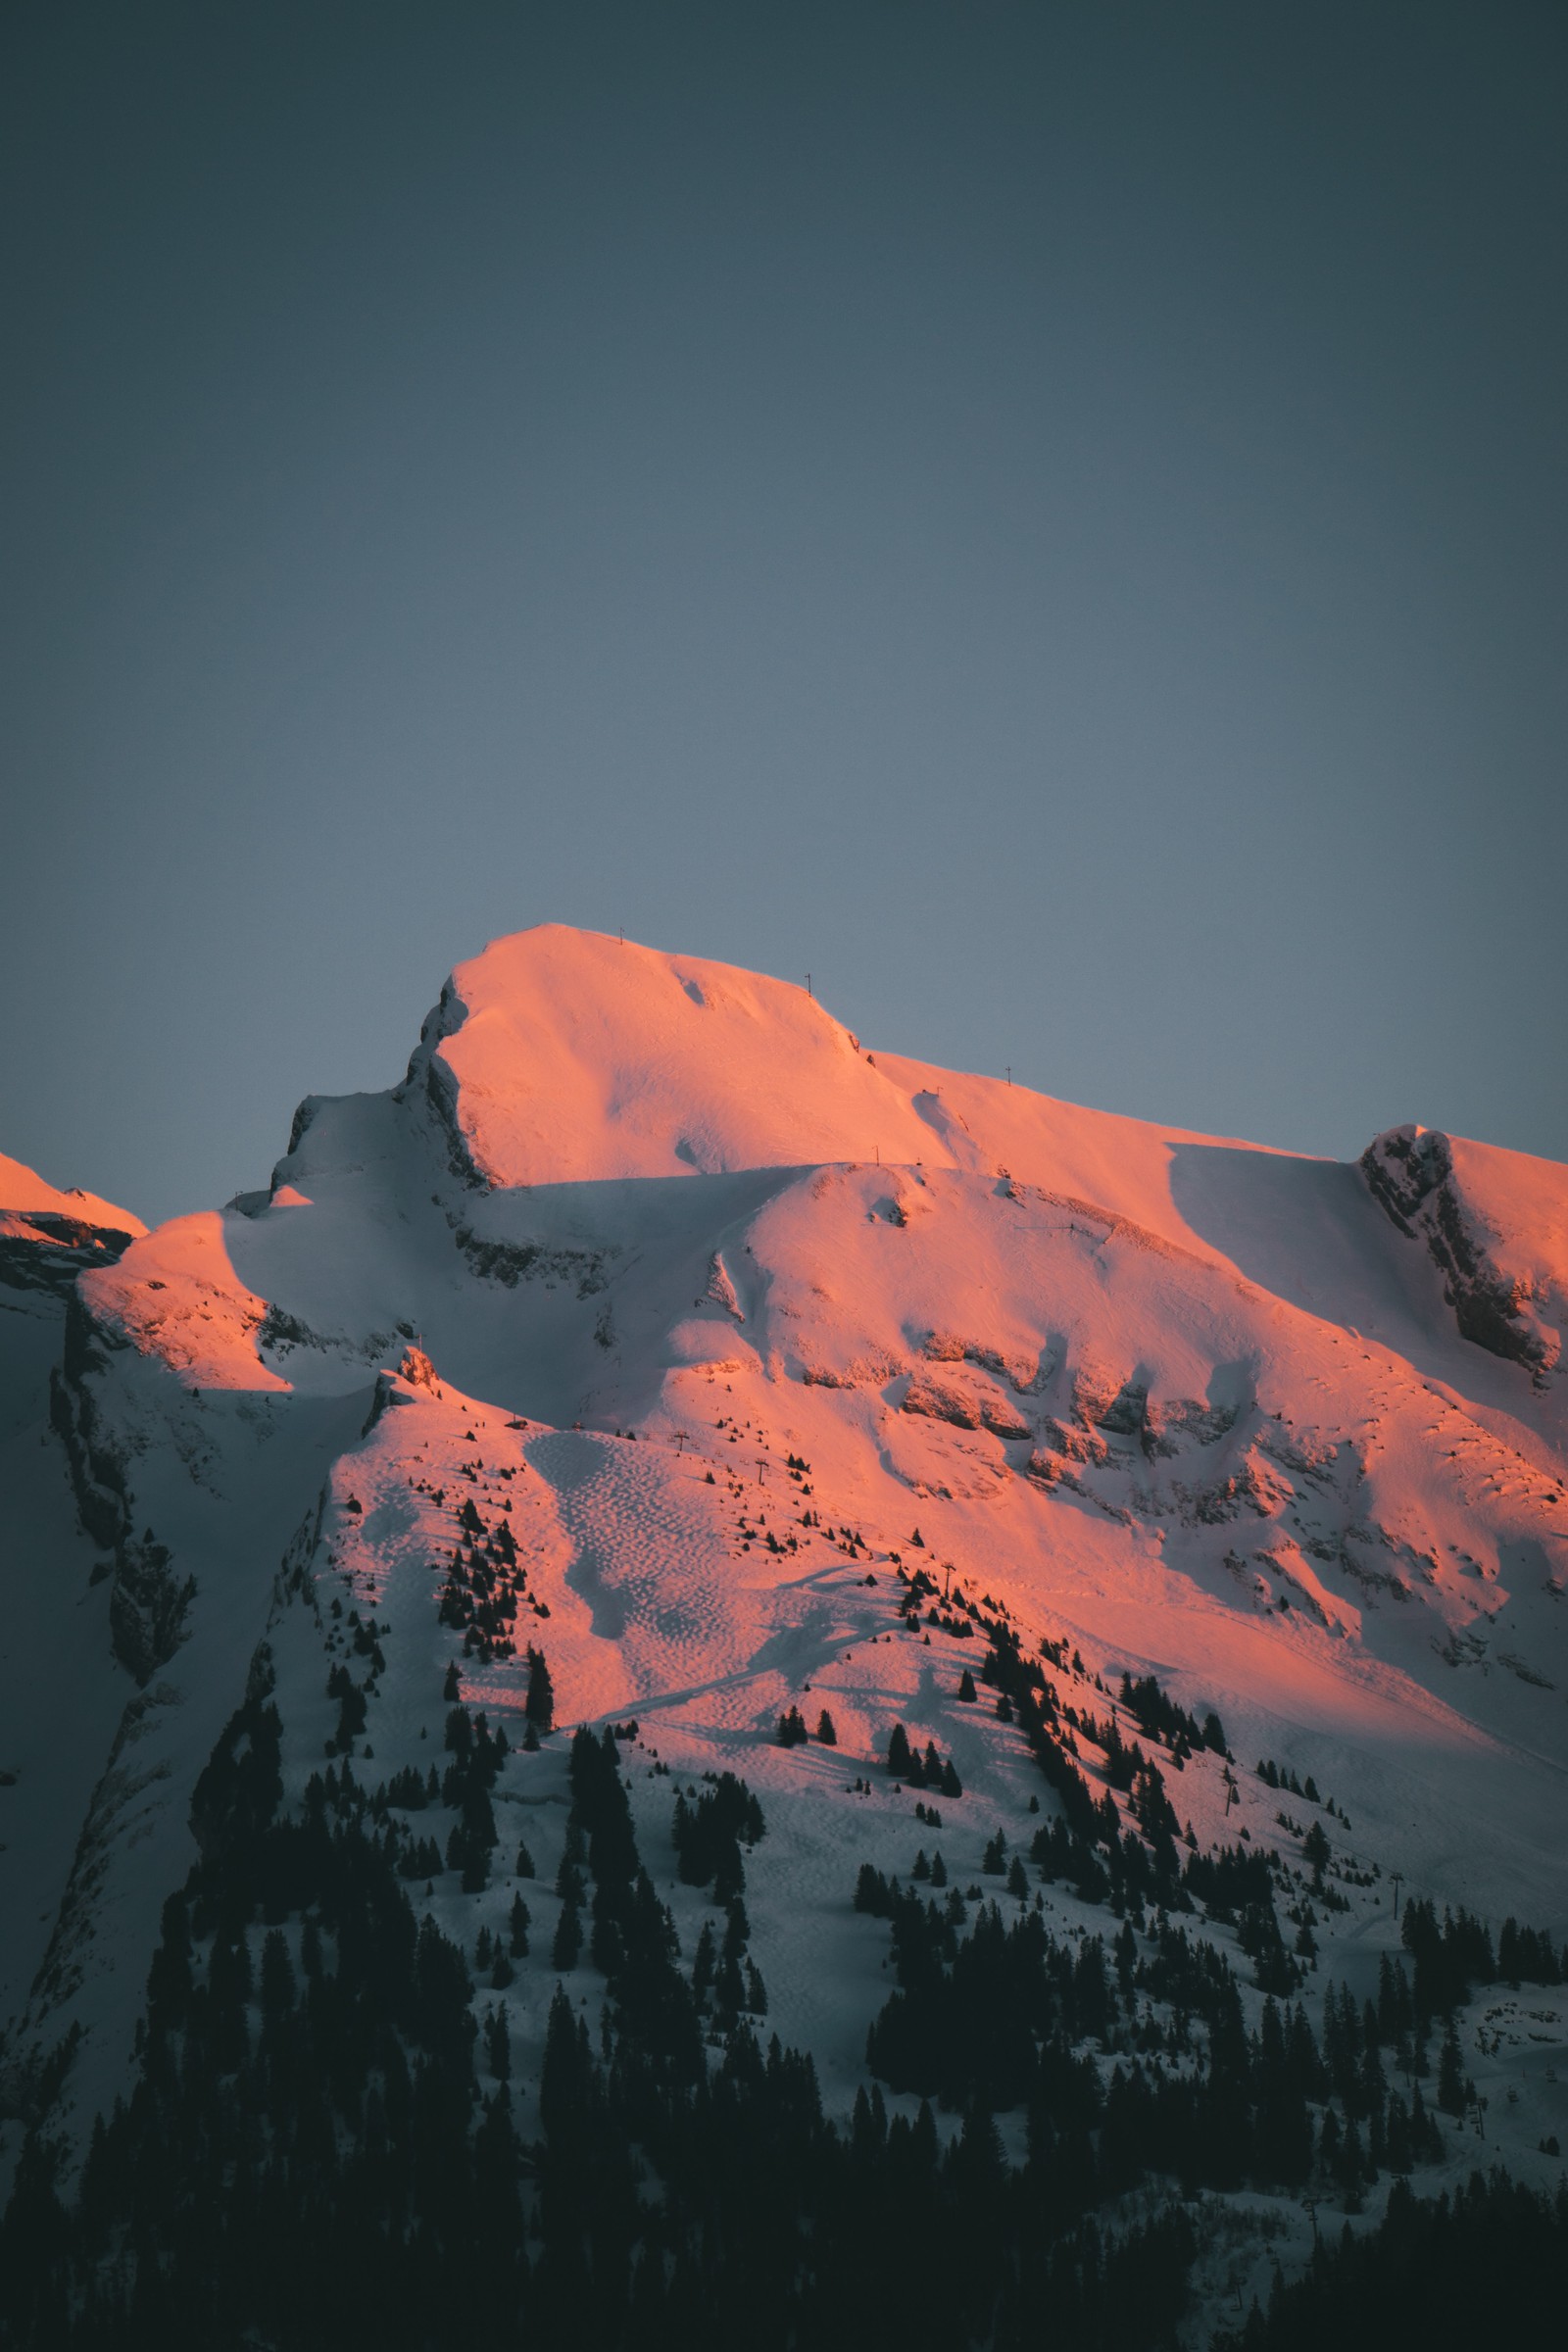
[
  {"x": 568, "y": 1054},
  {"x": 1271, "y": 1446},
  {"x": 25, "y": 1194}
]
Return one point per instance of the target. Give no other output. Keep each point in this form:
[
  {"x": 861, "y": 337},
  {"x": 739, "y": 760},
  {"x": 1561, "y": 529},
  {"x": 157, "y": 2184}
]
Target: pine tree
[
  {"x": 540, "y": 1704},
  {"x": 827, "y": 1730},
  {"x": 564, "y": 1951},
  {"x": 729, "y": 1874},
  {"x": 1450, "y": 2071},
  {"x": 979, "y": 2160},
  {"x": 451, "y": 1689},
  {"x": 1315, "y": 1849},
  {"x": 899, "y": 1758},
  {"x": 525, "y": 1869},
  {"x": 518, "y": 1926},
  {"x": 277, "y": 1976},
  {"x": 967, "y": 1689},
  {"x": 871, "y": 1892},
  {"x": 1398, "y": 2148},
  {"x": 730, "y": 1991},
  {"x": 498, "y": 2044}
]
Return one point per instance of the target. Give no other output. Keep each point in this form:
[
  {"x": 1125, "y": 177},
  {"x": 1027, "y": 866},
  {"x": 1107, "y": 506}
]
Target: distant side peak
[{"x": 1495, "y": 1226}]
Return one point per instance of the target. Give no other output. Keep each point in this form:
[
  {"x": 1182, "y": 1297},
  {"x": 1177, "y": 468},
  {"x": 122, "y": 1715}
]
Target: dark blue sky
[{"x": 1049, "y": 518}]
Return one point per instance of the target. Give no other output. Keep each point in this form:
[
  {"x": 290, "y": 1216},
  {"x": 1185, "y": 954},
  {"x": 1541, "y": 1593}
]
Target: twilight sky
[{"x": 1049, "y": 518}]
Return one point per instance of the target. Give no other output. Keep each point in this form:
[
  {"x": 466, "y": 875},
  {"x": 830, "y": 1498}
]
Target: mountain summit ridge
[{"x": 570, "y": 1057}]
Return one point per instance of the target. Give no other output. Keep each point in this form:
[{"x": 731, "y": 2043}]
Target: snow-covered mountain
[{"x": 758, "y": 1371}]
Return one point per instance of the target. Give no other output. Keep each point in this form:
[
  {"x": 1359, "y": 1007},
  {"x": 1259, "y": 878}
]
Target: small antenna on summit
[{"x": 808, "y": 986}]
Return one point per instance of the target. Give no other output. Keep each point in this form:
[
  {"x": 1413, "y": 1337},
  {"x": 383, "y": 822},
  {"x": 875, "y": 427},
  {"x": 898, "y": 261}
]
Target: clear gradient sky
[{"x": 1050, "y": 518}]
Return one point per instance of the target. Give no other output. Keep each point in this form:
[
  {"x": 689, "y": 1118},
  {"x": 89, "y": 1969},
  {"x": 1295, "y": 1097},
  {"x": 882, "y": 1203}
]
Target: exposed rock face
[
  {"x": 41, "y": 1251},
  {"x": 979, "y": 1406},
  {"x": 1412, "y": 1174},
  {"x": 937, "y": 1402}
]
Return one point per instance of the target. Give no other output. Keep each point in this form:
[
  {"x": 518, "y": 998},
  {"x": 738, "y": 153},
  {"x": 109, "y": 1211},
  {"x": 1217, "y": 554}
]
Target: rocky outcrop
[
  {"x": 97, "y": 1469},
  {"x": 1410, "y": 1172},
  {"x": 149, "y": 1603},
  {"x": 975, "y": 1407},
  {"x": 41, "y": 1250},
  {"x": 430, "y": 1076},
  {"x": 934, "y": 1400}
]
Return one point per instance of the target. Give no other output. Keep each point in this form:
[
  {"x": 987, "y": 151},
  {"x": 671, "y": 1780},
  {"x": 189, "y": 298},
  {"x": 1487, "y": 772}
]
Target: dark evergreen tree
[
  {"x": 498, "y": 2044},
  {"x": 539, "y": 1706},
  {"x": 1450, "y": 2071},
  {"x": 567, "y": 1949}
]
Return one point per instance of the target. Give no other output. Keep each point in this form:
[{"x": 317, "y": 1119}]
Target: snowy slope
[{"x": 641, "y": 1229}]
